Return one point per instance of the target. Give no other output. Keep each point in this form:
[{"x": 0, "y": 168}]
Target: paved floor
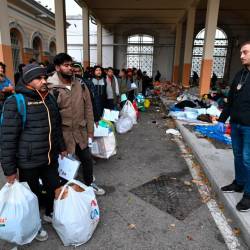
[{"x": 128, "y": 222}]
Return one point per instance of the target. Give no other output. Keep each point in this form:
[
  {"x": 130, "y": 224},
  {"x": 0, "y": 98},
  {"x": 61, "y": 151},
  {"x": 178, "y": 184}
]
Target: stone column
[
  {"x": 60, "y": 21},
  {"x": 175, "y": 75},
  {"x": 188, "y": 47},
  {"x": 5, "y": 42},
  {"x": 208, "y": 49},
  {"x": 85, "y": 24},
  {"x": 99, "y": 43}
]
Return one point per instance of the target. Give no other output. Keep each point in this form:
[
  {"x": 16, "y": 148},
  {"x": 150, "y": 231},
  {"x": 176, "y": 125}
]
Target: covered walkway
[{"x": 173, "y": 27}]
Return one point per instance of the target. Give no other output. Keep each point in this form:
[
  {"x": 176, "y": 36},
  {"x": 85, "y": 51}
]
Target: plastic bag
[
  {"x": 124, "y": 124},
  {"x": 104, "y": 147},
  {"x": 76, "y": 214},
  {"x": 128, "y": 110},
  {"x": 19, "y": 213}
]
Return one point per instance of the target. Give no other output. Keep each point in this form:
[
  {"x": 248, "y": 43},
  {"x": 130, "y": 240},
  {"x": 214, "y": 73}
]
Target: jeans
[{"x": 241, "y": 149}]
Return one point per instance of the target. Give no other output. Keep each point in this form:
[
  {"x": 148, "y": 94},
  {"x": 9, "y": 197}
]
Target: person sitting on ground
[
  {"x": 32, "y": 146},
  {"x": 75, "y": 107}
]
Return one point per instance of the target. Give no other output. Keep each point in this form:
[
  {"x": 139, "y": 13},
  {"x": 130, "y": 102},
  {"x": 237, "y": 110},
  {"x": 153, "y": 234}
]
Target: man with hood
[
  {"x": 30, "y": 147},
  {"x": 75, "y": 107}
]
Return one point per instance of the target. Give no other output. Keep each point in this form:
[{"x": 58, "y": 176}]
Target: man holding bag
[
  {"x": 76, "y": 110},
  {"x": 32, "y": 140}
]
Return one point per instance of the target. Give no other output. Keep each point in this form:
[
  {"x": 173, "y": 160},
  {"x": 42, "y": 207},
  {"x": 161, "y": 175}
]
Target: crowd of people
[{"x": 62, "y": 103}]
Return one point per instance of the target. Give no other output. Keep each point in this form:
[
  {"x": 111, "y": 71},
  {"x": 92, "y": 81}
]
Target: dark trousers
[
  {"x": 87, "y": 164},
  {"x": 241, "y": 148},
  {"x": 110, "y": 104},
  {"x": 50, "y": 179}
]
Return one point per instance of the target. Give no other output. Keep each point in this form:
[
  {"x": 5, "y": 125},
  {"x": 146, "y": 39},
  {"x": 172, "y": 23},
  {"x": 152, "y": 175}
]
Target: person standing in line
[
  {"x": 30, "y": 148},
  {"x": 75, "y": 106},
  {"x": 238, "y": 109},
  {"x": 112, "y": 89}
]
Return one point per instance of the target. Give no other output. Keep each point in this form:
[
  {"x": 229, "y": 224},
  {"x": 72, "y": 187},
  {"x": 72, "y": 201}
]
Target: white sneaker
[
  {"x": 42, "y": 235},
  {"x": 47, "y": 218},
  {"x": 98, "y": 190}
]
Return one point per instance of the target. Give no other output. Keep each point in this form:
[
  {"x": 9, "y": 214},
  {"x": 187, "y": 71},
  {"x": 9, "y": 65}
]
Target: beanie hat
[{"x": 32, "y": 71}]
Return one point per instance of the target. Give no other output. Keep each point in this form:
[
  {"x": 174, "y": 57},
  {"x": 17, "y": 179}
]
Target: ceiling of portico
[
  {"x": 150, "y": 13},
  {"x": 165, "y": 13}
]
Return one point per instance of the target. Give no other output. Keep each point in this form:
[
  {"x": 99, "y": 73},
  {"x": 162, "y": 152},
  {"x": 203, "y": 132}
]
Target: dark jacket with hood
[
  {"x": 39, "y": 143},
  {"x": 97, "y": 89}
]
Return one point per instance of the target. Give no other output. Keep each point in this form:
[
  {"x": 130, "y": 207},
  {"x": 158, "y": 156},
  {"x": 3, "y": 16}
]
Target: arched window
[
  {"x": 37, "y": 49},
  {"x": 52, "y": 51},
  {"x": 16, "y": 46},
  {"x": 220, "y": 52},
  {"x": 140, "y": 51}
]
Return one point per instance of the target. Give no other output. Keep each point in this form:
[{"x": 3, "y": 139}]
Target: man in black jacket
[
  {"x": 238, "y": 108},
  {"x": 33, "y": 148}
]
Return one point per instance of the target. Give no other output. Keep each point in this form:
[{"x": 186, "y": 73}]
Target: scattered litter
[
  {"x": 189, "y": 237},
  {"x": 131, "y": 226},
  {"x": 173, "y": 132},
  {"x": 187, "y": 183}
]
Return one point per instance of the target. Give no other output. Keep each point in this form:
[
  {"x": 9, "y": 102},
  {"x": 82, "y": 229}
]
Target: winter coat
[
  {"x": 76, "y": 110},
  {"x": 97, "y": 88},
  {"x": 39, "y": 143},
  {"x": 238, "y": 105}
]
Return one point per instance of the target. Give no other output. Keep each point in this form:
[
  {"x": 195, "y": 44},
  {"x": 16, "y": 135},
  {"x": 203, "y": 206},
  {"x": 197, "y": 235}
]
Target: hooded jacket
[
  {"x": 76, "y": 111},
  {"x": 39, "y": 143}
]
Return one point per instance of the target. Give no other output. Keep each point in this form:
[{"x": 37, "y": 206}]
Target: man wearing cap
[{"x": 30, "y": 148}]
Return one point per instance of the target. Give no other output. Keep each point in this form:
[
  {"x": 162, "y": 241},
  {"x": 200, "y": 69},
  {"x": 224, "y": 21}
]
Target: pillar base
[
  {"x": 6, "y": 58},
  {"x": 205, "y": 76},
  {"x": 186, "y": 75},
  {"x": 175, "y": 77}
]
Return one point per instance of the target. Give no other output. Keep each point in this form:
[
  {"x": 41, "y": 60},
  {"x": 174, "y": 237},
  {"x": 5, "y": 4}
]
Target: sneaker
[
  {"x": 233, "y": 187},
  {"x": 42, "y": 235},
  {"x": 47, "y": 218},
  {"x": 98, "y": 190},
  {"x": 244, "y": 204}
]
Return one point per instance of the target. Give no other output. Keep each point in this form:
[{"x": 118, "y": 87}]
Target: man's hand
[
  {"x": 63, "y": 154},
  {"x": 11, "y": 179},
  {"x": 97, "y": 124},
  {"x": 221, "y": 127},
  {"x": 8, "y": 89}
]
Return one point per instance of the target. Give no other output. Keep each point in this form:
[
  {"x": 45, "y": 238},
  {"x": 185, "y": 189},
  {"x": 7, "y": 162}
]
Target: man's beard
[{"x": 65, "y": 76}]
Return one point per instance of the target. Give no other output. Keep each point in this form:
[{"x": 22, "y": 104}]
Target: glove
[{"x": 221, "y": 127}]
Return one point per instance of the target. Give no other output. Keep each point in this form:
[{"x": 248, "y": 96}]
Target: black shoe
[
  {"x": 244, "y": 204},
  {"x": 233, "y": 187}
]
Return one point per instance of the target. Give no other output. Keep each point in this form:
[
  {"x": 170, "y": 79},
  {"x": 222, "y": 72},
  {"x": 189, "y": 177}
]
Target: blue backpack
[{"x": 21, "y": 108}]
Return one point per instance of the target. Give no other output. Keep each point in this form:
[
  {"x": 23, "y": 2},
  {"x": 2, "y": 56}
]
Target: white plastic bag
[
  {"x": 104, "y": 147},
  {"x": 128, "y": 110},
  {"x": 19, "y": 213},
  {"x": 76, "y": 216},
  {"x": 124, "y": 124}
]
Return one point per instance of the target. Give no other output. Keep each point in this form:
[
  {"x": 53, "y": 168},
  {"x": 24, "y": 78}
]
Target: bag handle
[{"x": 78, "y": 183}]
